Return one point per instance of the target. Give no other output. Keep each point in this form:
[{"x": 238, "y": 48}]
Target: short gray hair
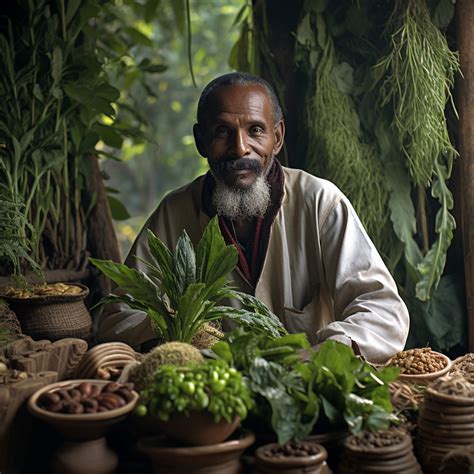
[{"x": 238, "y": 79}]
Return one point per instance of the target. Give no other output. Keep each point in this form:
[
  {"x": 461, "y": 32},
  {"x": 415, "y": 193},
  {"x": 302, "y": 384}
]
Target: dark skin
[{"x": 239, "y": 138}]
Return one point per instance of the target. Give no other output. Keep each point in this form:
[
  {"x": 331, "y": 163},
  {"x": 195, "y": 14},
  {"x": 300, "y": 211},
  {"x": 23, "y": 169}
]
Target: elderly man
[{"x": 302, "y": 249}]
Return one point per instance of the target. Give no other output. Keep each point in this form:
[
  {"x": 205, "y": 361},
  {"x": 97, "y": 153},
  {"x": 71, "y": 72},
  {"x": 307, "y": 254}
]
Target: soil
[
  {"x": 292, "y": 449},
  {"x": 377, "y": 440}
]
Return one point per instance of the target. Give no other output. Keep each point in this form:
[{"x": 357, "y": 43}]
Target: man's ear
[
  {"x": 279, "y": 131},
  {"x": 199, "y": 140}
]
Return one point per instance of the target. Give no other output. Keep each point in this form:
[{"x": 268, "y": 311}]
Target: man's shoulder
[
  {"x": 188, "y": 193},
  {"x": 300, "y": 180}
]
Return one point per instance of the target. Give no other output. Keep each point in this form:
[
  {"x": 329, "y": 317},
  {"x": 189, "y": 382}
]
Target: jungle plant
[
  {"x": 58, "y": 106},
  {"x": 180, "y": 292}
]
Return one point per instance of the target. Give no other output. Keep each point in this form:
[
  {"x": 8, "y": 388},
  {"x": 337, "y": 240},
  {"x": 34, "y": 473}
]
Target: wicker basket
[{"x": 53, "y": 317}]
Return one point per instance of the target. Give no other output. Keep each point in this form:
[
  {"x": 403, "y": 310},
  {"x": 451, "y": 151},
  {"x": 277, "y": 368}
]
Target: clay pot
[
  {"x": 171, "y": 458},
  {"x": 84, "y": 450},
  {"x": 313, "y": 464},
  {"x": 197, "y": 429},
  {"x": 395, "y": 458},
  {"x": 333, "y": 442}
]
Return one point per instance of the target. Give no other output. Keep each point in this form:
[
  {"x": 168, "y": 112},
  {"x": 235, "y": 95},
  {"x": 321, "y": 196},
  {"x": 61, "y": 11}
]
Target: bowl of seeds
[{"x": 421, "y": 365}]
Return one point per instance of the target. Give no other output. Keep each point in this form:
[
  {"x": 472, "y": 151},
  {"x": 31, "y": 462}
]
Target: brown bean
[
  {"x": 95, "y": 390},
  {"x": 90, "y": 404},
  {"x": 85, "y": 388},
  {"x": 55, "y": 407},
  {"x": 108, "y": 401},
  {"x": 64, "y": 394},
  {"x": 74, "y": 408},
  {"x": 49, "y": 398},
  {"x": 103, "y": 374},
  {"x": 111, "y": 387},
  {"x": 75, "y": 394},
  {"x": 126, "y": 394},
  {"x": 102, "y": 409}
]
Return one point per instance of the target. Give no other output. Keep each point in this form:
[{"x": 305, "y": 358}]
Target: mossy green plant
[{"x": 174, "y": 353}]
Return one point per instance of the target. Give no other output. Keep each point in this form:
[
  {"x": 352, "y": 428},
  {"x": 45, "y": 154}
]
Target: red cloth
[{"x": 250, "y": 261}]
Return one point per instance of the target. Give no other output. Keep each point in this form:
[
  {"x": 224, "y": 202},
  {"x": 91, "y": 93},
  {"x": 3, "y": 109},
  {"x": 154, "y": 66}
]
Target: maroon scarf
[{"x": 250, "y": 261}]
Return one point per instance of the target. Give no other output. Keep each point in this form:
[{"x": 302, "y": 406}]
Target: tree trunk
[
  {"x": 465, "y": 39},
  {"x": 101, "y": 238}
]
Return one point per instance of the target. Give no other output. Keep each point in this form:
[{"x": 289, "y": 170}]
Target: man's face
[{"x": 238, "y": 136}]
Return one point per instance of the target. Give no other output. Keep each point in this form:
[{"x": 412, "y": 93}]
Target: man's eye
[
  {"x": 256, "y": 130},
  {"x": 221, "y": 131}
]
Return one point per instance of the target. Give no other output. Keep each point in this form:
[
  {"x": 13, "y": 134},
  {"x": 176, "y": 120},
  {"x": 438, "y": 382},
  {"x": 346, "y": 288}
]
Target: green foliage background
[{"x": 146, "y": 171}]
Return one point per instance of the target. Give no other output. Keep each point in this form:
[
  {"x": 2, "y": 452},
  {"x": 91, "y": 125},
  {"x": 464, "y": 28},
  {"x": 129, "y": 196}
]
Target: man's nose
[{"x": 240, "y": 145}]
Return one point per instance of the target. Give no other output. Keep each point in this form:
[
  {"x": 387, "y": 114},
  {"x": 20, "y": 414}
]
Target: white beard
[{"x": 242, "y": 204}]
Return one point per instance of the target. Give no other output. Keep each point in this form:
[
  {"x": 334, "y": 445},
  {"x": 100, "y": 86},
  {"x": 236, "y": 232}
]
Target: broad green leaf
[
  {"x": 118, "y": 209},
  {"x": 214, "y": 259},
  {"x": 432, "y": 266},
  {"x": 304, "y": 33},
  {"x": 26, "y": 139},
  {"x": 138, "y": 37},
  {"x": 254, "y": 322},
  {"x": 402, "y": 211},
  {"x": 343, "y": 77},
  {"x": 161, "y": 254},
  {"x": 443, "y": 13},
  {"x": 179, "y": 12},
  {"x": 222, "y": 350},
  {"x": 184, "y": 263},
  {"x": 109, "y": 135},
  {"x": 108, "y": 92},
  {"x": 134, "y": 282}
]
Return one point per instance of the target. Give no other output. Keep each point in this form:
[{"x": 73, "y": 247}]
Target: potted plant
[
  {"x": 333, "y": 391},
  {"x": 198, "y": 407},
  {"x": 181, "y": 292}
]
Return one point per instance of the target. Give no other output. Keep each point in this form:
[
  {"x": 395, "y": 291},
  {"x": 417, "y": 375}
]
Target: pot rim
[
  {"x": 64, "y": 418},
  {"x": 44, "y": 299}
]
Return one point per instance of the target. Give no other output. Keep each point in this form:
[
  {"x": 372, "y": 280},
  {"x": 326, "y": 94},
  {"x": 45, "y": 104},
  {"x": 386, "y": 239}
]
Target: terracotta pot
[
  {"x": 313, "y": 464},
  {"x": 53, "y": 317},
  {"x": 333, "y": 442},
  {"x": 197, "y": 429},
  {"x": 84, "y": 450},
  {"x": 221, "y": 458}
]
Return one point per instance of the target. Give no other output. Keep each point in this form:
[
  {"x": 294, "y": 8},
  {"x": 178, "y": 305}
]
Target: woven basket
[{"x": 53, "y": 317}]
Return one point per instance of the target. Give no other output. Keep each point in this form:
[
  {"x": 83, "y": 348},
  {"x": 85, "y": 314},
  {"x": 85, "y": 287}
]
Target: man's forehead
[{"x": 248, "y": 99}]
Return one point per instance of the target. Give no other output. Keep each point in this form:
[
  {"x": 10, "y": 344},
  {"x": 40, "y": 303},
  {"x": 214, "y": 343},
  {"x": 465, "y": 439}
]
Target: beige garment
[{"x": 321, "y": 275}]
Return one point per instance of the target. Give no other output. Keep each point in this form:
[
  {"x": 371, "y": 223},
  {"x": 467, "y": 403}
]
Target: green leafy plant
[
  {"x": 211, "y": 386},
  {"x": 180, "y": 292},
  {"x": 293, "y": 396},
  {"x": 14, "y": 245}
]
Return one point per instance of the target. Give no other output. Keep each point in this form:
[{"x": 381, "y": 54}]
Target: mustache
[{"x": 250, "y": 164}]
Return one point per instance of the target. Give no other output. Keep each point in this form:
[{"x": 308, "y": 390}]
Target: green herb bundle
[{"x": 180, "y": 292}]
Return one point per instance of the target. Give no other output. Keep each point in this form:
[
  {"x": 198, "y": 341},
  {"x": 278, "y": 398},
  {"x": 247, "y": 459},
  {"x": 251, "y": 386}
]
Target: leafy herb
[
  {"x": 180, "y": 292},
  {"x": 292, "y": 395}
]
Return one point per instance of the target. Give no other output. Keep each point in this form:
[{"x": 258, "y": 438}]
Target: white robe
[{"x": 322, "y": 274}]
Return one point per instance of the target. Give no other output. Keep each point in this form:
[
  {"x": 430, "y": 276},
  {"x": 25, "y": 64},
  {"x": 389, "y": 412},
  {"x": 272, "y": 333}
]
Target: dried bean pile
[
  {"x": 87, "y": 397},
  {"x": 379, "y": 439},
  {"x": 455, "y": 385},
  {"x": 464, "y": 366},
  {"x": 418, "y": 361},
  {"x": 292, "y": 449}
]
